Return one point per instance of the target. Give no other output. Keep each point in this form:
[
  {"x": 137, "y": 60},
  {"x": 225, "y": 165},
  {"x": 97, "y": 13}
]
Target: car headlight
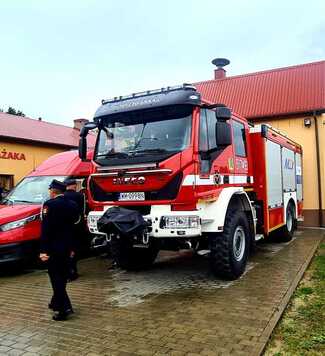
[
  {"x": 18, "y": 223},
  {"x": 180, "y": 222}
]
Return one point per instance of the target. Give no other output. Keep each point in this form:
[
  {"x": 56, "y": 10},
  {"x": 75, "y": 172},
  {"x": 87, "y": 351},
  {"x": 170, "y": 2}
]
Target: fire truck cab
[{"x": 201, "y": 176}]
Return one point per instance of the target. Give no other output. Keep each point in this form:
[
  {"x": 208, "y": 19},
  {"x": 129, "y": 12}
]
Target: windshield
[
  {"x": 145, "y": 133},
  {"x": 31, "y": 190}
]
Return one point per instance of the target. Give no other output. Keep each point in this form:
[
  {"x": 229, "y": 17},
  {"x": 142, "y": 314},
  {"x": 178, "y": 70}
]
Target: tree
[
  {"x": 13, "y": 111},
  {"x": 20, "y": 113}
]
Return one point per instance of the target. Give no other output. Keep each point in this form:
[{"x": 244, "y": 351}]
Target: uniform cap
[
  {"x": 56, "y": 184},
  {"x": 70, "y": 181}
]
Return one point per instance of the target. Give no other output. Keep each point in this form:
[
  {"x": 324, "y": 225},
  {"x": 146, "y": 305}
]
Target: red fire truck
[
  {"x": 200, "y": 175},
  {"x": 20, "y": 210}
]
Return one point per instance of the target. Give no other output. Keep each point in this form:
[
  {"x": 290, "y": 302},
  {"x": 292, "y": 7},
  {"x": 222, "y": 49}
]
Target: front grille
[{"x": 168, "y": 192}]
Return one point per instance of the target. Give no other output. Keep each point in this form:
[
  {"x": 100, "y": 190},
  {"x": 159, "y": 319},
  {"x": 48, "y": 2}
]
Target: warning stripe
[{"x": 193, "y": 179}]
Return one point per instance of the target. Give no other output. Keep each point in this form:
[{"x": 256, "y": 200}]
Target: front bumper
[
  {"x": 20, "y": 251},
  {"x": 155, "y": 218}
]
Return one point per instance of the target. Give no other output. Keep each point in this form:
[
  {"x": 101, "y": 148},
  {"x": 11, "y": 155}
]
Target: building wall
[
  {"x": 295, "y": 128},
  {"x": 19, "y": 159}
]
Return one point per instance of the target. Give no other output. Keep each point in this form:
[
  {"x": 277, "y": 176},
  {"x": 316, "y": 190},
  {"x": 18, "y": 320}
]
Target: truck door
[
  {"x": 214, "y": 160},
  {"x": 205, "y": 143},
  {"x": 240, "y": 153}
]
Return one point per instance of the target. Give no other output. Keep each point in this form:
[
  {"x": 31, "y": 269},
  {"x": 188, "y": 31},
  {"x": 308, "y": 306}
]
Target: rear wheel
[
  {"x": 285, "y": 234},
  {"x": 132, "y": 258},
  {"x": 230, "y": 249}
]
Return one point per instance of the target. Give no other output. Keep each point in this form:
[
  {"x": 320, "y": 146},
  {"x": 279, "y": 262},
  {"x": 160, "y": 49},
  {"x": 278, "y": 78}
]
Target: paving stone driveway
[{"x": 176, "y": 308}]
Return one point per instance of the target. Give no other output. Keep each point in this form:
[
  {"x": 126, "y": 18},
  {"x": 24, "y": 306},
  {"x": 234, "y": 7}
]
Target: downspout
[{"x": 320, "y": 205}]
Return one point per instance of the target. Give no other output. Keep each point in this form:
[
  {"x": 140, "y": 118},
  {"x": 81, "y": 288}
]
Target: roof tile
[
  {"x": 24, "y": 128},
  {"x": 274, "y": 92}
]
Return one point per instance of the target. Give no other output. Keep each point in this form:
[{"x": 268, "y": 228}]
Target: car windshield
[
  {"x": 145, "y": 133},
  {"x": 31, "y": 190}
]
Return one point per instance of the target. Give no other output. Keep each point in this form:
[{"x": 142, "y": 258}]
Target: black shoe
[
  {"x": 113, "y": 265},
  {"x": 60, "y": 316},
  {"x": 51, "y": 307},
  {"x": 73, "y": 277},
  {"x": 69, "y": 311}
]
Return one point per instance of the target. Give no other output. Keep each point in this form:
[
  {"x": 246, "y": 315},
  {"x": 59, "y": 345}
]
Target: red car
[{"x": 20, "y": 209}]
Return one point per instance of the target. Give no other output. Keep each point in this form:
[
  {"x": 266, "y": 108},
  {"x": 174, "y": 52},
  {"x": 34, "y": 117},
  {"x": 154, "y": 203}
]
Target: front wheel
[{"x": 230, "y": 249}]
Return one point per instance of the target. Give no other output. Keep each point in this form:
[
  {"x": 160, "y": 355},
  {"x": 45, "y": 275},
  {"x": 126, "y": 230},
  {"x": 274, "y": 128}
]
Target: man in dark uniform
[
  {"x": 59, "y": 215},
  {"x": 77, "y": 197}
]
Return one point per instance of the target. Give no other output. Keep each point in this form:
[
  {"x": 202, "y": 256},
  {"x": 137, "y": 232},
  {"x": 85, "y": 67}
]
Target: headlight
[
  {"x": 92, "y": 221},
  {"x": 180, "y": 222},
  {"x": 18, "y": 223}
]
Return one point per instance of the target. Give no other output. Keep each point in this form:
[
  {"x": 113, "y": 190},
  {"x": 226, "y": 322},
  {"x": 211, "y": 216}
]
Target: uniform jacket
[
  {"x": 78, "y": 198},
  {"x": 59, "y": 216}
]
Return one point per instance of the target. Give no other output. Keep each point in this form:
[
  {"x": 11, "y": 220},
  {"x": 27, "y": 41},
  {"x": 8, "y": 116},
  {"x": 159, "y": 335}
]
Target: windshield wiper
[
  {"x": 149, "y": 150},
  {"x": 114, "y": 154},
  {"x": 6, "y": 201},
  {"x": 22, "y": 201}
]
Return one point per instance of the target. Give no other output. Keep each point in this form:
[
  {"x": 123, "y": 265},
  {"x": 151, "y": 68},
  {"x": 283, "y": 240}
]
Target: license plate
[{"x": 132, "y": 196}]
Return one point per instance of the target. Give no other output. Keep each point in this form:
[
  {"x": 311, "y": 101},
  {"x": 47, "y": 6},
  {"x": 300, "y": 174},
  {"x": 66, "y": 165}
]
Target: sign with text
[{"x": 19, "y": 156}]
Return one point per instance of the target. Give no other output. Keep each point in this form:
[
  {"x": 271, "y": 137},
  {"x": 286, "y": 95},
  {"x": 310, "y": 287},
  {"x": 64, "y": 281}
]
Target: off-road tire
[
  {"x": 285, "y": 234},
  {"x": 132, "y": 258},
  {"x": 223, "y": 260}
]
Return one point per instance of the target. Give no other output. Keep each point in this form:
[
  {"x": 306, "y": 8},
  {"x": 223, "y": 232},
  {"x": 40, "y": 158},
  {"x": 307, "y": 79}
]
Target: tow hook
[
  {"x": 145, "y": 238},
  {"x": 98, "y": 242}
]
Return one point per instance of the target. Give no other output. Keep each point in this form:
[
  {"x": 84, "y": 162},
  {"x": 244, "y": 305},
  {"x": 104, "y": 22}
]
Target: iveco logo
[{"x": 129, "y": 180}]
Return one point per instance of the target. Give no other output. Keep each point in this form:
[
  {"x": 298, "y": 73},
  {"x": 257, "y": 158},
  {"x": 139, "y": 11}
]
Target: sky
[{"x": 59, "y": 59}]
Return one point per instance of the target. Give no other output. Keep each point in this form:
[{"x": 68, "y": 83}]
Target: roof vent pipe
[{"x": 220, "y": 73}]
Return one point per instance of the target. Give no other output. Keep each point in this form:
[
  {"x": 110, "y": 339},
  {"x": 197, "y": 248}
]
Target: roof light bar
[{"x": 150, "y": 92}]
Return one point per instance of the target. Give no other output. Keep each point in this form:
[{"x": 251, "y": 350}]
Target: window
[
  {"x": 144, "y": 133},
  {"x": 6, "y": 182},
  {"x": 203, "y": 143},
  {"x": 239, "y": 138},
  {"x": 207, "y": 139},
  {"x": 207, "y": 130},
  {"x": 32, "y": 190},
  {"x": 211, "y": 123}
]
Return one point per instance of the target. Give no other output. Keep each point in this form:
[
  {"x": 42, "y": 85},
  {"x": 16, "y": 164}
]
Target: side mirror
[
  {"x": 83, "y": 148},
  {"x": 86, "y": 128},
  {"x": 223, "y": 113},
  {"x": 83, "y": 141},
  {"x": 223, "y": 133}
]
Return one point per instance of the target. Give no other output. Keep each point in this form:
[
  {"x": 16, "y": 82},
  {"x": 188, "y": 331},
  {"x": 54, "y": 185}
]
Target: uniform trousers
[
  {"x": 78, "y": 235},
  {"x": 58, "y": 270}
]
